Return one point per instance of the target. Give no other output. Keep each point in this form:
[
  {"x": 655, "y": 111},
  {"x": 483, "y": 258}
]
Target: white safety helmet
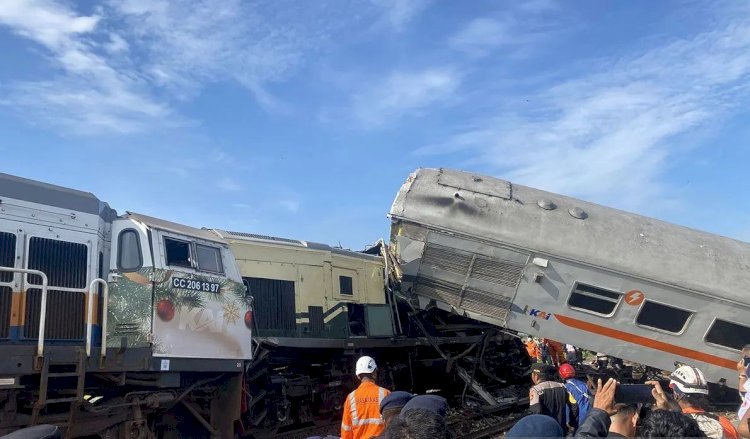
[
  {"x": 365, "y": 364},
  {"x": 688, "y": 380}
]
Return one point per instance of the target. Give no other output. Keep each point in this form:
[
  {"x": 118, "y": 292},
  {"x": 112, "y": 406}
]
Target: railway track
[{"x": 487, "y": 422}]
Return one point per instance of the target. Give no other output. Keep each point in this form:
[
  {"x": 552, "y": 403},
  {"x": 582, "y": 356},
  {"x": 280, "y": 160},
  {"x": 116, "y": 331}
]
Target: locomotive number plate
[{"x": 195, "y": 285}]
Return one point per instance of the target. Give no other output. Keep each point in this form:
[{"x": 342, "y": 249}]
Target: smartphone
[
  {"x": 633, "y": 393},
  {"x": 746, "y": 360}
]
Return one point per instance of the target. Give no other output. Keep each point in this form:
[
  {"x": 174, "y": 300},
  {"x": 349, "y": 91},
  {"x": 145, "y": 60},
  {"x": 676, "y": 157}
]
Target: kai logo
[
  {"x": 540, "y": 314},
  {"x": 200, "y": 320}
]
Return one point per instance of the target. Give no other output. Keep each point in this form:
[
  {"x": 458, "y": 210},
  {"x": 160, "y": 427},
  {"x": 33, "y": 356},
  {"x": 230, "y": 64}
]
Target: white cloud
[
  {"x": 404, "y": 93},
  {"x": 608, "y": 135},
  {"x": 45, "y": 22},
  {"x": 229, "y": 185},
  {"x": 116, "y": 44},
  {"x": 123, "y": 69},
  {"x": 398, "y": 14},
  {"x": 291, "y": 206},
  {"x": 481, "y": 35},
  {"x": 519, "y": 26}
]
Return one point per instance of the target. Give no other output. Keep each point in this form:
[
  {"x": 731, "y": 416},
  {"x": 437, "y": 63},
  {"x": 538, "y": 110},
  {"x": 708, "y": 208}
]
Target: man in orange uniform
[
  {"x": 362, "y": 418},
  {"x": 533, "y": 350}
]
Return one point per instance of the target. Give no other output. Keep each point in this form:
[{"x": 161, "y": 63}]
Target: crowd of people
[
  {"x": 563, "y": 402},
  {"x": 548, "y": 351}
]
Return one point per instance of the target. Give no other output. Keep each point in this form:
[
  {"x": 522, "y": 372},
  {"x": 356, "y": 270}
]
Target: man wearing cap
[
  {"x": 361, "y": 419},
  {"x": 548, "y": 397},
  {"x": 423, "y": 417},
  {"x": 392, "y": 404},
  {"x": 690, "y": 390}
]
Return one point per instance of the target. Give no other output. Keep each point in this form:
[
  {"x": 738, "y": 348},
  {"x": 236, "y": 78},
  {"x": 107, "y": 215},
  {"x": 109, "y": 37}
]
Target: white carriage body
[{"x": 556, "y": 267}]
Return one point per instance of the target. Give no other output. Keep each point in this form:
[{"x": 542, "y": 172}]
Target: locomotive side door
[{"x": 130, "y": 285}]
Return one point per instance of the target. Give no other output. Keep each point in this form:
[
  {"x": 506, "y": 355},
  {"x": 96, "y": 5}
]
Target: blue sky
[{"x": 303, "y": 118}]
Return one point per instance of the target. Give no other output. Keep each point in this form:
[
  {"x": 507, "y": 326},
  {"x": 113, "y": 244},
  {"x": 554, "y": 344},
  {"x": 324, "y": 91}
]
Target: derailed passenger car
[{"x": 557, "y": 267}]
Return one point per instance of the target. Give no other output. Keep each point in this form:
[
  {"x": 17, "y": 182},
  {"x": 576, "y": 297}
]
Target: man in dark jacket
[
  {"x": 548, "y": 397},
  {"x": 597, "y": 421}
]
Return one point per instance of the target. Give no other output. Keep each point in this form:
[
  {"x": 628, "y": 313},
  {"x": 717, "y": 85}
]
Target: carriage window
[
  {"x": 664, "y": 317},
  {"x": 209, "y": 258},
  {"x": 178, "y": 252},
  {"x": 345, "y": 286},
  {"x": 728, "y": 334},
  {"x": 129, "y": 251},
  {"x": 593, "y": 299}
]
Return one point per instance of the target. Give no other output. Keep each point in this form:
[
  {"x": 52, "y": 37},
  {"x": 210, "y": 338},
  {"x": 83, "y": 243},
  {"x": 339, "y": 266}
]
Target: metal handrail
[
  {"x": 105, "y": 311},
  {"x": 43, "y": 307},
  {"x": 90, "y": 315}
]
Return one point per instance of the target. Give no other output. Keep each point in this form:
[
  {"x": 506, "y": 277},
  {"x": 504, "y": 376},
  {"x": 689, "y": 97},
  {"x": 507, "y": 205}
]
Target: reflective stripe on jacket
[{"x": 362, "y": 418}]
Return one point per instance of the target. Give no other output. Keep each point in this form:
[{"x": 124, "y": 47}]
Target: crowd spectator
[
  {"x": 571, "y": 355},
  {"x": 544, "y": 355},
  {"x": 547, "y": 396},
  {"x": 361, "y": 418},
  {"x": 532, "y": 348},
  {"x": 657, "y": 423},
  {"x": 690, "y": 393},
  {"x": 392, "y": 405},
  {"x": 668, "y": 424},
  {"x": 579, "y": 398},
  {"x": 597, "y": 422},
  {"x": 744, "y": 384},
  {"x": 423, "y": 417},
  {"x": 623, "y": 421},
  {"x": 533, "y": 426},
  {"x": 555, "y": 351},
  {"x": 601, "y": 360}
]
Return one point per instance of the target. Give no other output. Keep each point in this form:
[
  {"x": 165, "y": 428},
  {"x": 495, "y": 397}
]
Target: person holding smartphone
[{"x": 690, "y": 392}]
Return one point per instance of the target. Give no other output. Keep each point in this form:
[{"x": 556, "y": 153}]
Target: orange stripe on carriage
[{"x": 647, "y": 342}]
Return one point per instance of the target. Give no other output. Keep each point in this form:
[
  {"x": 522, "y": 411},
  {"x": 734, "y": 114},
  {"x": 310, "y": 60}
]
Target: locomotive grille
[
  {"x": 499, "y": 272},
  {"x": 65, "y": 311},
  {"x": 446, "y": 258},
  {"x": 7, "y": 259},
  {"x": 65, "y": 264},
  {"x": 491, "y": 295},
  {"x": 489, "y": 304},
  {"x": 273, "y": 306},
  {"x": 316, "y": 319},
  {"x": 443, "y": 291}
]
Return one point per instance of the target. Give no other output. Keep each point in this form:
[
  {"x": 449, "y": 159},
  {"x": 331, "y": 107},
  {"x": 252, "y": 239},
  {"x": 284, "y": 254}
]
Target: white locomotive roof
[
  {"x": 498, "y": 211},
  {"x": 51, "y": 195},
  {"x": 169, "y": 226}
]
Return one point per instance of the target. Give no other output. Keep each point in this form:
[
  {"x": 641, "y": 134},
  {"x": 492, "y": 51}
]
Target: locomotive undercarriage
[
  {"x": 127, "y": 396},
  {"x": 291, "y": 387}
]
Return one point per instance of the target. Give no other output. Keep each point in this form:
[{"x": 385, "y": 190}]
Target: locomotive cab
[{"x": 176, "y": 289}]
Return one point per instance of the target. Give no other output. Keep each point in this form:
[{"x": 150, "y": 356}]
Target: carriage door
[{"x": 130, "y": 286}]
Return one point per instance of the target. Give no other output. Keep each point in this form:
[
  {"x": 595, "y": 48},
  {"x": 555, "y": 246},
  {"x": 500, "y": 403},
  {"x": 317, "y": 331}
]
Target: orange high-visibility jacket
[
  {"x": 362, "y": 418},
  {"x": 533, "y": 350}
]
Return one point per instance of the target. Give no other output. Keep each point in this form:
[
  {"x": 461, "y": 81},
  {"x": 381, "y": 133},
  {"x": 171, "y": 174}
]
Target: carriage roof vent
[
  {"x": 578, "y": 213},
  {"x": 546, "y": 204}
]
